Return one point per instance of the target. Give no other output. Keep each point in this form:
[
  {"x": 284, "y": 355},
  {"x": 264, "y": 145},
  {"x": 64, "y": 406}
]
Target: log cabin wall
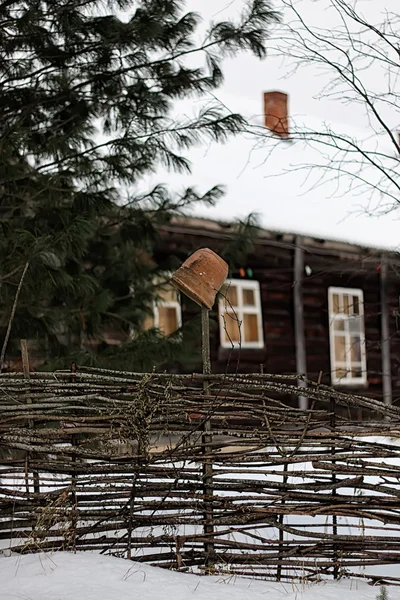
[{"x": 272, "y": 262}]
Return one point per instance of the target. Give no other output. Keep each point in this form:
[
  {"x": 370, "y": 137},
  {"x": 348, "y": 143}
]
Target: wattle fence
[{"x": 225, "y": 477}]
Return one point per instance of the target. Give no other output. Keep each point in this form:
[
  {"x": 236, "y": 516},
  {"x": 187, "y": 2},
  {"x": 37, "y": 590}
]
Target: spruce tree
[
  {"x": 87, "y": 90},
  {"x": 383, "y": 593}
]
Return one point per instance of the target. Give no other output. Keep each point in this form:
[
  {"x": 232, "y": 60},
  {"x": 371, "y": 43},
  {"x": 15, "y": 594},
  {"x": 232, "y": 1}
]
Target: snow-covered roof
[{"x": 225, "y": 228}]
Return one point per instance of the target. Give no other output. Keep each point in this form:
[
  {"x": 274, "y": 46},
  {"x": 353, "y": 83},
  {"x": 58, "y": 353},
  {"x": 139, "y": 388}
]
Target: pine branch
[{"x": 87, "y": 111}]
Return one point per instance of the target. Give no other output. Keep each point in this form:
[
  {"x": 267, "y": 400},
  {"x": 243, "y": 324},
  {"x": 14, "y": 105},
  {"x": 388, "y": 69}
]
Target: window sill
[
  {"x": 257, "y": 355},
  {"x": 351, "y": 385}
]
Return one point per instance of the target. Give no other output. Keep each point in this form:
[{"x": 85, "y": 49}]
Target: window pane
[
  {"x": 356, "y": 305},
  {"x": 148, "y": 322},
  {"x": 356, "y": 372},
  {"x": 346, "y": 304},
  {"x": 346, "y": 325},
  {"x": 340, "y": 348},
  {"x": 248, "y": 298},
  {"x": 167, "y": 319},
  {"x": 341, "y": 373},
  {"x": 231, "y": 295},
  {"x": 250, "y": 328},
  {"x": 338, "y": 325},
  {"x": 231, "y": 327},
  {"x": 168, "y": 293},
  {"x": 354, "y": 324},
  {"x": 336, "y": 306},
  {"x": 355, "y": 349}
]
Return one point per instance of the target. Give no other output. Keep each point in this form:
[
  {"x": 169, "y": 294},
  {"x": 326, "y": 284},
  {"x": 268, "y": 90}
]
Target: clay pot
[{"x": 201, "y": 276}]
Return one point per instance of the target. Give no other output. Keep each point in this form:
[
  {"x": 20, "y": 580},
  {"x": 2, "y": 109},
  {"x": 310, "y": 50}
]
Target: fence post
[
  {"x": 25, "y": 369},
  {"x": 281, "y": 532},
  {"x": 334, "y": 491},
  {"x": 74, "y": 498},
  {"x": 207, "y": 442},
  {"x": 281, "y": 536},
  {"x": 132, "y": 500}
]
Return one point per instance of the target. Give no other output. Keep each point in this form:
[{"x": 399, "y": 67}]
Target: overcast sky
[{"x": 259, "y": 182}]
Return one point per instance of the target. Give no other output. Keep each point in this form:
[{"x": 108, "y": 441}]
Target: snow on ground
[{"x": 84, "y": 576}]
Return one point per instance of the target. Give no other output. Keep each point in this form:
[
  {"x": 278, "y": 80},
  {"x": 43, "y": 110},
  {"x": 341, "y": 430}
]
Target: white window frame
[
  {"x": 169, "y": 304},
  {"x": 347, "y": 381},
  {"x": 240, "y": 284}
]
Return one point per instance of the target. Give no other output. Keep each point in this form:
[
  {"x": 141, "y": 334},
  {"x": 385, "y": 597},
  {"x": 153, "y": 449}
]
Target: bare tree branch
[
  {"x": 361, "y": 60},
  {"x": 14, "y": 308}
]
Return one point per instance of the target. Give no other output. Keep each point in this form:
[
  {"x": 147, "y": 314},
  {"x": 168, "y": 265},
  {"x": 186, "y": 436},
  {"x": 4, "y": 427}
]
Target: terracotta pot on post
[{"x": 201, "y": 276}]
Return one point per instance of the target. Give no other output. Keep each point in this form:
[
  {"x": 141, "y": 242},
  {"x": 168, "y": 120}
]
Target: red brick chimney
[{"x": 276, "y": 113}]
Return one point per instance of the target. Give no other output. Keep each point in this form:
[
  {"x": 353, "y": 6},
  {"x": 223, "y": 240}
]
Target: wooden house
[{"x": 320, "y": 307}]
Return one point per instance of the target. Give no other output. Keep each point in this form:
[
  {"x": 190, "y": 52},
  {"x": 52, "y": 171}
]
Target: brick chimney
[{"x": 276, "y": 113}]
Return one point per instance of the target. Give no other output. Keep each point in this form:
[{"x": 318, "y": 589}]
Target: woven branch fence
[{"x": 120, "y": 463}]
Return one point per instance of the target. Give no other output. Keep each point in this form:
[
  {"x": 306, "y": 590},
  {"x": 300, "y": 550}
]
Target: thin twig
[{"x": 10, "y": 322}]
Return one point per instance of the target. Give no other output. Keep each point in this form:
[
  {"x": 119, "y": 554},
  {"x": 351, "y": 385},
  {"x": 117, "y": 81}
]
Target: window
[
  {"x": 347, "y": 337},
  {"x": 240, "y": 315},
  {"x": 167, "y": 313}
]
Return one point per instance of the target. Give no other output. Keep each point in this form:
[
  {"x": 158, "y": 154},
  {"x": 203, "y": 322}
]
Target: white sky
[{"x": 256, "y": 181}]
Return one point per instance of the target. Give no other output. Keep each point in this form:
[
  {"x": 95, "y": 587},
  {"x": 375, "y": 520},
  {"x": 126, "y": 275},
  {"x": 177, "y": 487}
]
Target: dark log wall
[
  {"x": 273, "y": 268},
  {"x": 335, "y": 271},
  {"x": 272, "y": 264},
  {"x": 362, "y": 273},
  {"x": 394, "y": 324}
]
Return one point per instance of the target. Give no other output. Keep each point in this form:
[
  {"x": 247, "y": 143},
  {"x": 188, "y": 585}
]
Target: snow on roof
[{"x": 226, "y": 228}]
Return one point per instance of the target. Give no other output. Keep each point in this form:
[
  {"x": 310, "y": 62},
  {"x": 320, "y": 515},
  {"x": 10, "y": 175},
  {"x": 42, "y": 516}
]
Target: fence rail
[{"x": 114, "y": 462}]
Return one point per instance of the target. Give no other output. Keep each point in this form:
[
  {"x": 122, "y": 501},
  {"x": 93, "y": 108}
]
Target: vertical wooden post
[
  {"x": 132, "y": 498},
  {"x": 25, "y": 369},
  {"x": 281, "y": 548},
  {"x": 385, "y": 336},
  {"x": 74, "y": 499},
  {"x": 334, "y": 491},
  {"x": 281, "y": 533},
  {"x": 299, "y": 335},
  {"x": 207, "y": 440}
]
